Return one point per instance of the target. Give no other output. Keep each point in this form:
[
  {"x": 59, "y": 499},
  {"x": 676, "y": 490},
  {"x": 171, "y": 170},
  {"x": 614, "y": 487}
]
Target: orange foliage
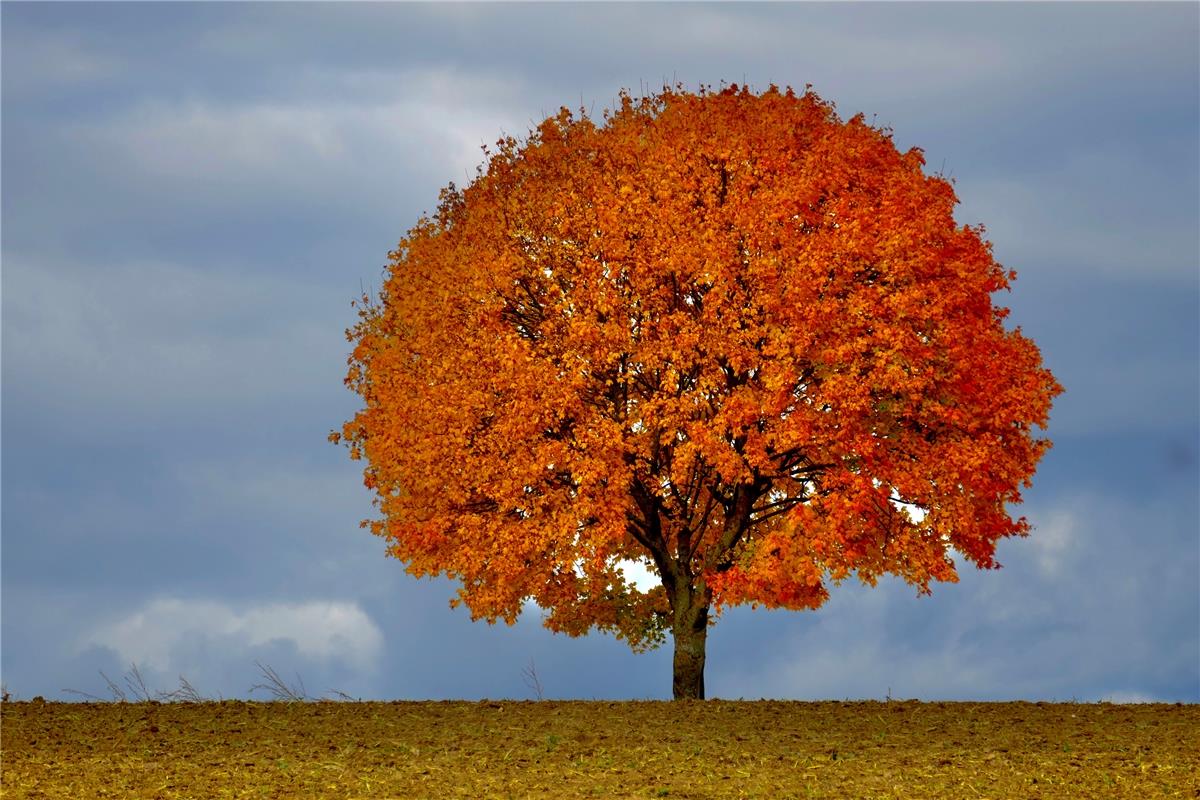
[{"x": 723, "y": 334}]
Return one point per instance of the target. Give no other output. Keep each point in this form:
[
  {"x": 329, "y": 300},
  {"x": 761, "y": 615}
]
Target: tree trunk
[{"x": 690, "y": 632}]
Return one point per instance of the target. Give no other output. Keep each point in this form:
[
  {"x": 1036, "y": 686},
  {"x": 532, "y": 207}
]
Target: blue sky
[{"x": 193, "y": 194}]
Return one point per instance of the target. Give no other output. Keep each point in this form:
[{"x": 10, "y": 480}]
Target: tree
[{"x": 722, "y": 334}]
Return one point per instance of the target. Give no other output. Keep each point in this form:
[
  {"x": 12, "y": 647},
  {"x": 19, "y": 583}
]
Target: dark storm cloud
[{"x": 192, "y": 193}]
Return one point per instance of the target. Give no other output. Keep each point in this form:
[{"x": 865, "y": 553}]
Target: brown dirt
[{"x": 712, "y": 749}]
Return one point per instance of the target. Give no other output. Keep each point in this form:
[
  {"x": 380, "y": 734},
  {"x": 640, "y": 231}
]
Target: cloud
[
  {"x": 146, "y": 344},
  {"x": 194, "y": 139},
  {"x": 320, "y": 631},
  {"x": 250, "y": 178},
  {"x": 640, "y": 575},
  {"x": 1100, "y": 213},
  {"x": 268, "y": 487},
  {"x": 863, "y": 669},
  {"x": 54, "y": 60},
  {"x": 374, "y": 122},
  {"x": 1089, "y": 606},
  {"x": 1054, "y": 540}
]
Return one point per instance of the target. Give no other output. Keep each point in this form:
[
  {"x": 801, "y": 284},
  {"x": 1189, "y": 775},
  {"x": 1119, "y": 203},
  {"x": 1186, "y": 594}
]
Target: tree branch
[
  {"x": 737, "y": 522},
  {"x": 650, "y": 535},
  {"x": 777, "y": 511}
]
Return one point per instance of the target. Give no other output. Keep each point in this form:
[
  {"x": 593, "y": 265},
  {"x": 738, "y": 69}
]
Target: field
[{"x": 714, "y": 749}]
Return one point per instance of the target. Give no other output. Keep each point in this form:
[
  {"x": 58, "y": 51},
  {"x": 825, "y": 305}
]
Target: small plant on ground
[
  {"x": 530, "y": 675},
  {"x": 135, "y": 687},
  {"x": 186, "y": 693},
  {"x": 278, "y": 687}
]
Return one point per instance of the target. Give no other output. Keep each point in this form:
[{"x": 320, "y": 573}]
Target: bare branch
[
  {"x": 186, "y": 693},
  {"x": 279, "y": 688},
  {"x": 530, "y": 675},
  {"x": 137, "y": 684}
]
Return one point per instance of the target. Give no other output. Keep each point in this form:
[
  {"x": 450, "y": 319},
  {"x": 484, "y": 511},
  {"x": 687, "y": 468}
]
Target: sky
[{"x": 192, "y": 195}]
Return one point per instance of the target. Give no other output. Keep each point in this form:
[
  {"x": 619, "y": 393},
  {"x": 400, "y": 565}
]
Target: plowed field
[{"x": 714, "y": 749}]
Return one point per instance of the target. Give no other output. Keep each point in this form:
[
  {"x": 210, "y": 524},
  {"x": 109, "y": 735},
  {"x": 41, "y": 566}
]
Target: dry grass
[{"x": 556, "y": 750}]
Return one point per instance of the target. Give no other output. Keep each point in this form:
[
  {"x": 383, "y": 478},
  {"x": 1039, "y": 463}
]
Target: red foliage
[{"x": 724, "y": 334}]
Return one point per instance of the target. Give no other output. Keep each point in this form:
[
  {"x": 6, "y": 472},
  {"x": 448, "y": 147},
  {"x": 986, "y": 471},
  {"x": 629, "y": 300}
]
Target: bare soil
[{"x": 503, "y": 749}]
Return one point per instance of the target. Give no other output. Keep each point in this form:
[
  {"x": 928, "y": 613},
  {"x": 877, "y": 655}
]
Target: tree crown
[{"x": 724, "y": 334}]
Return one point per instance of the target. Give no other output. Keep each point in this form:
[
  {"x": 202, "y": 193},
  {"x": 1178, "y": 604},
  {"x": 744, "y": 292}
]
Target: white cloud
[
  {"x": 1101, "y": 589},
  {"x": 322, "y": 631},
  {"x": 381, "y": 126},
  {"x": 194, "y": 139},
  {"x": 638, "y": 574},
  {"x": 861, "y": 668},
  {"x": 1053, "y": 539}
]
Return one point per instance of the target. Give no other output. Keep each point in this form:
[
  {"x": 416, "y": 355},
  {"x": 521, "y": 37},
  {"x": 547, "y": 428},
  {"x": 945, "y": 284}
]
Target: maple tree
[{"x": 725, "y": 335}]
